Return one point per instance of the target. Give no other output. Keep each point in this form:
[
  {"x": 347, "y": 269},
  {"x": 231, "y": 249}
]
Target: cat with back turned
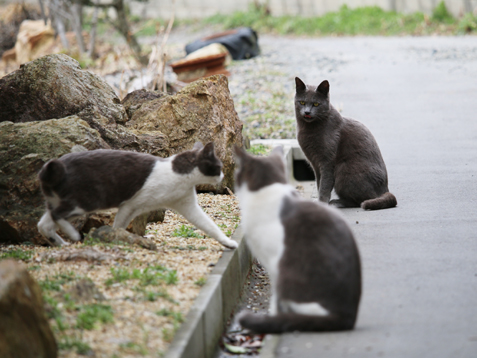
[
  {"x": 306, "y": 247},
  {"x": 342, "y": 152},
  {"x": 135, "y": 183}
]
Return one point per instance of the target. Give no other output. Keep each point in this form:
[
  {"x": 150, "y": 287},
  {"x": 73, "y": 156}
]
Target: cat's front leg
[
  {"x": 327, "y": 181},
  {"x": 194, "y": 214},
  {"x": 47, "y": 227}
]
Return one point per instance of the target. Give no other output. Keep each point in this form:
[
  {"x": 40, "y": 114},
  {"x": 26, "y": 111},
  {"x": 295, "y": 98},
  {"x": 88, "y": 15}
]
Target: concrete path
[{"x": 419, "y": 98}]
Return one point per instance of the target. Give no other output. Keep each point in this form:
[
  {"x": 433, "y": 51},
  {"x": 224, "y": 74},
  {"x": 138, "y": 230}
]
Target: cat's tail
[
  {"x": 387, "y": 200},
  {"x": 52, "y": 173},
  {"x": 290, "y": 322}
]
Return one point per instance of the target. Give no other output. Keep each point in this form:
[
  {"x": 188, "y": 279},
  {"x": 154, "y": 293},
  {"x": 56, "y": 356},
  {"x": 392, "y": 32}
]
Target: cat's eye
[
  {"x": 302, "y": 103},
  {"x": 316, "y": 104}
]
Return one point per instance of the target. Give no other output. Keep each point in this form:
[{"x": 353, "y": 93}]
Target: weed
[
  {"x": 259, "y": 149},
  {"x": 17, "y": 254},
  {"x": 168, "y": 334},
  {"x": 91, "y": 314},
  {"x": 68, "y": 343},
  {"x": 200, "y": 282},
  {"x": 441, "y": 14},
  {"x": 135, "y": 347},
  {"x": 176, "y": 316},
  {"x": 34, "y": 268},
  {"x": 119, "y": 275},
  {"x": 153, "y": 296},
  {"x": 58, "y": 280},
  {"x": 185, "y": 231},
  {"x": 150, "y": 276}
]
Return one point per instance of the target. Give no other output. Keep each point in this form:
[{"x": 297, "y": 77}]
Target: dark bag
[{"x": 242, "y": 43}]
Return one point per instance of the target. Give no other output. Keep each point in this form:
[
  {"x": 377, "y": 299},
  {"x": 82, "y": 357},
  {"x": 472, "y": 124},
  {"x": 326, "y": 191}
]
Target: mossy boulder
[
  {"x": 24, "y": 148},
  {"x": 55, "y": 86}
]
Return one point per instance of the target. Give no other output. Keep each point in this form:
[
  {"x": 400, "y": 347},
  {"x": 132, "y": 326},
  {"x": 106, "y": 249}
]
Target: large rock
[
  {"x": 24, "y": 148},
  {"x": 24, "y": 328},
  {"x": 55, "y": 86},
  {"x": 202, "y": 111}
]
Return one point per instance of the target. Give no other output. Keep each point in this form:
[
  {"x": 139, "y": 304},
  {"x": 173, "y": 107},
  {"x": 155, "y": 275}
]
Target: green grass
[
  {"x": 176, "y": 316},
  {"x": 91, "y": 314},
  {"x": 369, "y": 20},
  {"x": 55, "y": 283},
  {"x": 135, "y": 348},
  {"x": 259, "y": 149},
  {"x": 150, "y": 276},
  {"x": 201, "y": 282},
  {"x": 185, "y": 231},
  {"x": 68, "y": 343},
  {"x": 17, "y": 254}
]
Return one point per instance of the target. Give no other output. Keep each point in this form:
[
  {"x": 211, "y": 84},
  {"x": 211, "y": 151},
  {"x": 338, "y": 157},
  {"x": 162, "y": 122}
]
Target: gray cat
[
  {"x": 307, "y": 248},
  {"x": 342, "y": 152}
]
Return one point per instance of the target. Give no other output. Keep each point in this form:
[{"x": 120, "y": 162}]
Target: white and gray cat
[
  {"x": 342, "y": 152},
  {"x": 136, "y": 183},
  {"x": 307, "y": 248}
]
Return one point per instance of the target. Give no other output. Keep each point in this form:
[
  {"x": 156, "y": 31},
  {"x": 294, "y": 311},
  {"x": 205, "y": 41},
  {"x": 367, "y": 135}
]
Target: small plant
[
  {"x": 259, "y": 149},
  {"x": 91, "y": 314},
  {"x": 200, "y": 282},
  {"x": 17, "y": 254},
  {"x": 119, "y": 275},
  {"x": 441, "y": 14},
  {"x": 185, "y": 231},
  {"x": 58, "y": 280},
  {"x": 81, "y": 347},
  {"x": 176, "y": 316},
  {"x": 154, "y": 295},
  {"x": 134, "y": 347}
]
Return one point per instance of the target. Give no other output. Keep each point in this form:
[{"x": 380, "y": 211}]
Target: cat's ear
[
  {"x": 239, "y": 154},
  {"x": 198, "y": 145},
  {"x": 324, "y": 88},
  {"x": 208, "y": 150},
  {"x": 300, "y": 85}
]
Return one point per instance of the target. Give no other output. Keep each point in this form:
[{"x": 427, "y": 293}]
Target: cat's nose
[{"x": 307, "y": 113}]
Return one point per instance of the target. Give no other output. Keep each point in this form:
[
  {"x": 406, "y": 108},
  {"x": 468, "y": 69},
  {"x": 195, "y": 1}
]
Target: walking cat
[
  {"x": 307, "y": 248},
  {"x": 84, "y": 182},
  {"x": 342, "y": 152}
]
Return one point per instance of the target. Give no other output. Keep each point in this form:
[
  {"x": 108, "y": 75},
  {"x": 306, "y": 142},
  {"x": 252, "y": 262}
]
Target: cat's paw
[{"x": 231, "y": 244}]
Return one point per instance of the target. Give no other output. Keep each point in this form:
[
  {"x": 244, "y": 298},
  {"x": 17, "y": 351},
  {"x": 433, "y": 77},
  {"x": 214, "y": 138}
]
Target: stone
[
  {"x": 84, "y": 291},
  {"x": 24, "y": 148},
  {"x": 24, "y": 328},
  {"x": 89, "y": 254},
  {"x": 202, "y": 111},
  {"x": 55, "y": 86},
  {"x": 110, "y": 235},
  {"x": 135, "y": 99}
]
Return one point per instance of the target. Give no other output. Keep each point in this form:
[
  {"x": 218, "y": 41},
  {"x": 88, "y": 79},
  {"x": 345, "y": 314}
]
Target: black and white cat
[
  {"x": 342, "y": 151},
  {"x": 307, "y": 248},
  {"x": 136, "y": 183}
]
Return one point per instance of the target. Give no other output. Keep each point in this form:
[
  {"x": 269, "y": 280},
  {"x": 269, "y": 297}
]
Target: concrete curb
[{"x": 199, "y": 334}]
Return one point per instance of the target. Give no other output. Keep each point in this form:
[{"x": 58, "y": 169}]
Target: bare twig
[
  {"x": 94, "y": 23},
  {"x": 76, "y": 10},
  {"x": 159, "y": 65}
]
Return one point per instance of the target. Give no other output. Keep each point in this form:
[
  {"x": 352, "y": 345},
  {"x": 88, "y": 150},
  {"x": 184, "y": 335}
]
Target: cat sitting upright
[
  {"x": 342, "y": 152},
  {"x": 84, "y": 182},
  {"x": 307, "y": 248}
]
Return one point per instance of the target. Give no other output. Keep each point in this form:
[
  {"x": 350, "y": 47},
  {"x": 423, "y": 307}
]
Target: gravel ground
[{"x": 130, "y": 303}]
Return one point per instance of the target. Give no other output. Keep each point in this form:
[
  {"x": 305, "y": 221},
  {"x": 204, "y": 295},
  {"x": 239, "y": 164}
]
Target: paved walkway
[{"x": 419, "y": 98}]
